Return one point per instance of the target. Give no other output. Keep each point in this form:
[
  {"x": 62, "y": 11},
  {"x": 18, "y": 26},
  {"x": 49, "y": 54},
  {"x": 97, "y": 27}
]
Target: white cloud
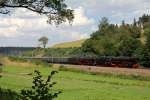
[
  {"x": 122, "y": 8},
  {"x": 81, "y": 18},
  {"x": 8, "y": 32},
  {"x": 141, "y": 12},
  {"x": 25, "y": 14},
  {"x": 119, "y": 15},
  {"x": 26, "y": 27},
  {"x": 121, "y": 3},
  {"x": 78, "y": 36},
  {"x": 11, "y": 22}
]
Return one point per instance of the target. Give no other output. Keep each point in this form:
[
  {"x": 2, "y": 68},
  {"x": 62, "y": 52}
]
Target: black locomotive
[{"x": 126, "y": 62}]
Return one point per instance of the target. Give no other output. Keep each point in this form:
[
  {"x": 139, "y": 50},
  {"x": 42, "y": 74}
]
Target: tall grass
[
  {"x": 17, "y": 61},
  {"x": 105, "y": 74}
]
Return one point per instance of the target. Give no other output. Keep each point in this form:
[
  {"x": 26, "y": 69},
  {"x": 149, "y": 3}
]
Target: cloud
[
  {"x": 24, "y": 27},
  {"x": 81, "y": 18},
  {"x": 115, "y": 10},
  {"x": 9, "y": 32}
]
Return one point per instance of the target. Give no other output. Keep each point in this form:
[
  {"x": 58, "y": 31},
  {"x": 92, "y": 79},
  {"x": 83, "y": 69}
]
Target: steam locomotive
[{"x": 122, "y": 62}]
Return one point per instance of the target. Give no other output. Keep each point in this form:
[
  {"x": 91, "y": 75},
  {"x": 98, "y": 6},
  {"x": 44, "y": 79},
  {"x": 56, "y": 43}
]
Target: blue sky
[{"x": 23, "y": 27}]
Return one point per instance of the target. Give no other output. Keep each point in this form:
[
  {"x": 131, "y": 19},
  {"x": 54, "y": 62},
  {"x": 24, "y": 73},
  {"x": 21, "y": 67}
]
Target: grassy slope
[
  {"x": 79, "y": 86},
  {"x": 69, "y": 44},
  {"x": 142, "y": 38}
]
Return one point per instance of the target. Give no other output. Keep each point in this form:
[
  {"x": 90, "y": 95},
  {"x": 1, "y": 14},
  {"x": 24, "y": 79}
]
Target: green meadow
[
  {"x": 70, "y": 44},
  {"x": 78, "y": 86}
]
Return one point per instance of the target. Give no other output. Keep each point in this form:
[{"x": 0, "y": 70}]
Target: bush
[
  {"x": 17, "y": 59},
  {"x": 35, "y": 62},
  {"x": 41, "y": 90},
  {"x": 6, "y": 94},
  {"x": 39, "y": 62}
]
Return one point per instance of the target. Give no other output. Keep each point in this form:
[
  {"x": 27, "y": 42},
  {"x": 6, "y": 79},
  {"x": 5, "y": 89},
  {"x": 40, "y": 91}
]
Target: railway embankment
[{"x": 130, "y": 73}]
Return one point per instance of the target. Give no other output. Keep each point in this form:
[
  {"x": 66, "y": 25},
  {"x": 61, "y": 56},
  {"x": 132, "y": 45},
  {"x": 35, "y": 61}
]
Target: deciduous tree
[
  {"x": 43, "y": 40},
  {"x": 56, "y": 10},
  {"x": 145, "y": 52}
]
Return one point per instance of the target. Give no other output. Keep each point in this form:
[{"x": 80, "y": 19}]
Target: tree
[
  {"x": 56, "y": 10},
  {"x": 134, "y": 22},
  {"x": 44, "y": 41},
  {"x": 128, "y": 45},
  {"x": 103, "y": 28},
  {"x": 145, "y": 52},
  {"x": 123, "y": 23},
  {"x": 144, "y": 21},
  {"x": 104, "y": 24}
]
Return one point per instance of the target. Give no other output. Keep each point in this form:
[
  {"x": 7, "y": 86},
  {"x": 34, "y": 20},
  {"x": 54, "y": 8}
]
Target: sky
[{"x": 23, "y": 28}]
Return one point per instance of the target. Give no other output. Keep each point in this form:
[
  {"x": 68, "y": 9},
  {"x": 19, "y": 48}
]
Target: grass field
[
  {"x": 69, "y": 44},
  {"x": 79, "y": 86}
]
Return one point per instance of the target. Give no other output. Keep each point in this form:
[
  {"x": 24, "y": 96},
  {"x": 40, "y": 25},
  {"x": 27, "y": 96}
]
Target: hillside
[
  {"x": 142, "y": 38},
  {"x": 69, "y": 44}
]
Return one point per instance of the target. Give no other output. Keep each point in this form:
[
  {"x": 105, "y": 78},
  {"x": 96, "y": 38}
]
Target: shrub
[
  {"x": 39, "y": 62},
  {"x": 40, "y": 89},
  {"x": 6, "y": 94},
  {"x": 17, "y": 59}
]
